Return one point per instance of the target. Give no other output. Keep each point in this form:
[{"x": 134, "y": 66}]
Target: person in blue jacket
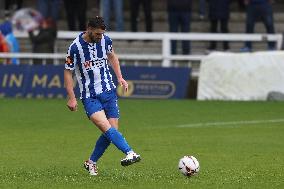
[
  {"x": 179, "y": 15},
  {"x": 6, "y": 30},
  {"x": 259, "y": 9}
]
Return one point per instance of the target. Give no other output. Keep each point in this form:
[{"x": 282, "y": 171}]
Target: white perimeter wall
[{"x": 241, "y": 76}]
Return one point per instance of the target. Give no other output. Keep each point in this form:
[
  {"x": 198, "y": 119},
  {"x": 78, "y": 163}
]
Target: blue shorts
[{"x": 106, "y": 101}]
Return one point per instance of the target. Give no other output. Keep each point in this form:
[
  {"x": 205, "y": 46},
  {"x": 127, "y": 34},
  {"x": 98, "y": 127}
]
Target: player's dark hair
[{"x": 97, "y": 22}]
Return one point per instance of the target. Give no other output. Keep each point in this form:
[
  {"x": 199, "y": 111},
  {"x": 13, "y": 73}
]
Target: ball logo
[{"x": 148, "y": 89}]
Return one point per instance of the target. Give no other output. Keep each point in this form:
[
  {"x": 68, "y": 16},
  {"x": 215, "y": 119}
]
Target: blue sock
[
  {"x": 118, "y": 140},
  {"x": 101, "y": 146}
]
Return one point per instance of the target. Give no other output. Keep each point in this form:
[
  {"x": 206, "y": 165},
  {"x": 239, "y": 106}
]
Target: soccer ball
[{"x": 188, "y": 166}]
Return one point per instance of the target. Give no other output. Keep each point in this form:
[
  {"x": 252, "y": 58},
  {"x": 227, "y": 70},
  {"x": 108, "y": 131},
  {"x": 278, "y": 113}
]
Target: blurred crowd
[{"x": 179, "y": 14}]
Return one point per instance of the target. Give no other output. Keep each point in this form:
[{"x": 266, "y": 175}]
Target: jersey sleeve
[
  {"x": 108, "y": 45},
  {"x": 70, "y": 60}
]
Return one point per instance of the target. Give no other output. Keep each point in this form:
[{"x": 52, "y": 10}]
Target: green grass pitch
[{"x": 238, "y": 145}]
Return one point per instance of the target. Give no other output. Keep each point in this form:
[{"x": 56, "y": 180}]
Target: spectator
[
  {"x": 116, "y": 6},
  {"x": 44, "y": 41},
  {"x": 241, "y": 4},
  {"x": 12, "y": 5},
  {"x": 49, "y": 8},
  {"x": 134, "y": 9},
  {"x": 202, "y": 8},
  {"x": 13, "y": 45},
  {"x": 259, "y": 9},
  {"x": 219, "y": 12},
  {"x": 179, "y": 13},
  {"x": 76, "y": 11},
  {"x": 4, "y": 47}
]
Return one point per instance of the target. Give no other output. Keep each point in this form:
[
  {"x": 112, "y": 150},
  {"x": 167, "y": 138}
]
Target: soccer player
[{"x": 89, "y": 55}]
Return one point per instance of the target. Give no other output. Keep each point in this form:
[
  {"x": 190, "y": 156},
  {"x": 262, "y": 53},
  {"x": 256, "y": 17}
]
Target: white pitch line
[{"x": 250, "y": 122}]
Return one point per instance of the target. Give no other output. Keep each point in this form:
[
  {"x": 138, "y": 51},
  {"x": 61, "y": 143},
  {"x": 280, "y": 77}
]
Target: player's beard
[
  {"x": 97, "y": 40},
  {"x": 93, "y": 39}
]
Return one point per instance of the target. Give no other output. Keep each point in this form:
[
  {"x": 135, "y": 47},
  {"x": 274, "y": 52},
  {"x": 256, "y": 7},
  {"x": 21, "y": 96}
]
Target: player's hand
[
  {"x": 72, "y": 104},
  {"x": 123, "y": 83}
]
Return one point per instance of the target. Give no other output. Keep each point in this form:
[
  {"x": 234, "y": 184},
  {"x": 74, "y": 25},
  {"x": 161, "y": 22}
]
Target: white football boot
[
  {"x": 130, "y": 158},
  {"x": 91, "y": 168}
]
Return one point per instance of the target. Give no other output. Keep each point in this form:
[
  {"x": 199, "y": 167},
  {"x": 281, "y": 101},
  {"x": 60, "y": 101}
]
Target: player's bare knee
[{"x": 102, "y": 125}]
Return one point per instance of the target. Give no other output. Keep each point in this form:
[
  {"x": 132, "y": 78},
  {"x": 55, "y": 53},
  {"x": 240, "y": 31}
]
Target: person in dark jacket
[
  {"x": 49, "y": 8},
  {"x": 76, "y": 11},
  {"x": 219, "y": 12},
  {"x": 202, "y": 9},
  {"x": 134, "y": 10},
  {"x": 259, "y": 9},
  {"x": 12, "y": 5},
  {"x": 241, "y": 4},
  {"x": 179, "y": 13},
  {"x": 44, "y": 41}
]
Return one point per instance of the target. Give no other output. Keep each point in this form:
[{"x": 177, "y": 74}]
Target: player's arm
[
  {"x": 68, "y": 81},
  {"x": 113, "y": 59}
]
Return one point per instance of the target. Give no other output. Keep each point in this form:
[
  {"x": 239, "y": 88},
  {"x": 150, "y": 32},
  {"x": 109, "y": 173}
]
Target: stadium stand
[{"x": 160, "y": 24}]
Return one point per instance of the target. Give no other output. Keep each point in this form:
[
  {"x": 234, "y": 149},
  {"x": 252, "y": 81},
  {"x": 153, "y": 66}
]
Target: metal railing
[{"x": 165, "y": 56}]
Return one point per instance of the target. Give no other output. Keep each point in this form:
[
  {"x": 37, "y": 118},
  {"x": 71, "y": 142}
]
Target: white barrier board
[{"x": 241, "y": 76}]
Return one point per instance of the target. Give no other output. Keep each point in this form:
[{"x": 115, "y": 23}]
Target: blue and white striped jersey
[{"x": 89, "y": 60}]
